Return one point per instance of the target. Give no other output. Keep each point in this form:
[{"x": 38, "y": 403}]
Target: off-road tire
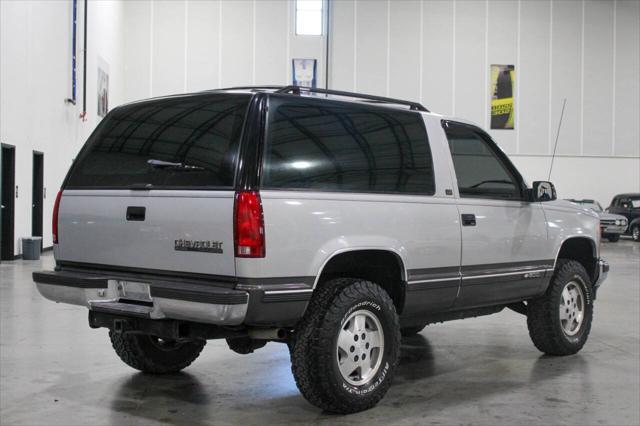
[
  {"x": 411, "y": 331},
  {"x": 152, "y": 355},
  {"x": 543, "y": 314},
  {"x": 313, "y": 348},
  {"x": 613, "y": 238}
]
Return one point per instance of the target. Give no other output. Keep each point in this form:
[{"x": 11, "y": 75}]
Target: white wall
[
  {"x": 180, "y": 46},
  {"x": 35, "y": 79},
  {"x": 436, "y": 52},
  {"x": 439, "y": 53}
]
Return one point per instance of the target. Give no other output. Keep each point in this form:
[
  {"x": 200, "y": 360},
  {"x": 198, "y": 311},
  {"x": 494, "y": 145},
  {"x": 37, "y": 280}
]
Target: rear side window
[
  {"x": 338, "y": 146},
  {"x": 169, "y": 143}
]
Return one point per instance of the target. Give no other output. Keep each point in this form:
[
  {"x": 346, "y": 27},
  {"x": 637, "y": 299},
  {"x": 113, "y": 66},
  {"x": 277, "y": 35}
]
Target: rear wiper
[{"x": 169, "y": 165}]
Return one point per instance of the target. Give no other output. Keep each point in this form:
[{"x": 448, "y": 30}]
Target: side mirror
[{"x": 543, "y": 191}]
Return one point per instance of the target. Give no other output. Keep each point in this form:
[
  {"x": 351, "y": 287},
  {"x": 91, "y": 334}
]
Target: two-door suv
[{"x": 331, "y": 221}]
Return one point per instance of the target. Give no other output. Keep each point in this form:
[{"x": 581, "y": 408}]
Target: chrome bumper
[
  {"x": 614, "y": 229},
  {"x": 198, "y": 303},
  {"x": 603, "y": 271}
]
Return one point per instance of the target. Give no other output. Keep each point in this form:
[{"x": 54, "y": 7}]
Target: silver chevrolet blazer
[{"x": 331, "y": 221}]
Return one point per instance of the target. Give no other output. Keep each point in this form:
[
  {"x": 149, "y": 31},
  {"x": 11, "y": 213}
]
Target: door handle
[
  {"x": 136, "y": 213},
  {"x": 468, "y": 219}
]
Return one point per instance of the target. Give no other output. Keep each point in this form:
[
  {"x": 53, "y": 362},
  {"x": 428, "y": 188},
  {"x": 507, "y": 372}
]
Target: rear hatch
[{"x": 153, "y": 188}]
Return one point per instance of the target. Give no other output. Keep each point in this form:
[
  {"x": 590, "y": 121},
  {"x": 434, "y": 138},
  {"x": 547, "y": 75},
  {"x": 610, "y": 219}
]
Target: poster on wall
[
  {"x": 103, "y": 87},
  {"x": 503, "y": 83},
  {"x": 304, "y": 72}
]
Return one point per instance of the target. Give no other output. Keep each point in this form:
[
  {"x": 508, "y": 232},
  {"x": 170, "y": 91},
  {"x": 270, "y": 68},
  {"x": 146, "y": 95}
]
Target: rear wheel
[
  {"x": 559, "y": 322},
  {"x": 346, "y": 349},
  {"x": 613, "y": 237},
  {"x": 152, "y": 354}
]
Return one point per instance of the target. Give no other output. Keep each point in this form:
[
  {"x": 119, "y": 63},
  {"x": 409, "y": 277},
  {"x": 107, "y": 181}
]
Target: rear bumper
[
  {"x": 205, "y": 303},
  {"x": 603, "y": 271}
]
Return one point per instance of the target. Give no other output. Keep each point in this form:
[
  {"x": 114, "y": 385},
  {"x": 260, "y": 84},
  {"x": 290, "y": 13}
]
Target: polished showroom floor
[{"x": 56, "y": 370}]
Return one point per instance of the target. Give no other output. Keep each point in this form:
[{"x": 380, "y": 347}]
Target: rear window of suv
[
  {"x": 168, "y": 143},
  {"x": 338, "y": 146}
]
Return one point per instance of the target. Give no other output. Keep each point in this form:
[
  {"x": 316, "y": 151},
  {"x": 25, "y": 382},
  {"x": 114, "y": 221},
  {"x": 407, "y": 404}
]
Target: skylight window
[{"x": 309, "y": 17}]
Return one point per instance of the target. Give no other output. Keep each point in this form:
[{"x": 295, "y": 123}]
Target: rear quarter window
[
  {"x": 168, "y": 143},
  {"x": 337, "y": 146}
]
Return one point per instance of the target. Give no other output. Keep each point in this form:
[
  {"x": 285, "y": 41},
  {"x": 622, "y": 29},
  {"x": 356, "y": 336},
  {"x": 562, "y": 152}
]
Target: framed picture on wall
[
  {"x": 103, "y": 87},
  {"x": 304, "y": 72},
  {"x": 503, "y": 89}
]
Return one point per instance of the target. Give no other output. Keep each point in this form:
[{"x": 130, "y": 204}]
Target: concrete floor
[{"x": 56, "y": 370}]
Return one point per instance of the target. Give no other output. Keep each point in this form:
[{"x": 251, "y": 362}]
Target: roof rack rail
[
  {"x": 296, "y": 90},
  {"x": 248, "y": 88}
]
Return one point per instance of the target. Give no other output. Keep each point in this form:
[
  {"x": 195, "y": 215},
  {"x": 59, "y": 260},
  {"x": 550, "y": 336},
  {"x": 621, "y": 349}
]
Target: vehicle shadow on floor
[{"x": 424, "y": 386}]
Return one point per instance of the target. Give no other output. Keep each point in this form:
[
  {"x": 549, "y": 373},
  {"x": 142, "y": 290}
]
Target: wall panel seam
[
  {"x": 152, "y": 18},
  {"x": 421, "y": 68},
  {"x": 613, "y": 91},
  {"x": 582, "y": 82},
  {"x": 355, "y": 45},
  {"x": 219, "y": 43},
  {"x": 388, "y": 45},
  {"x": 516, "y": 104},
  {"x": 549, "y": 139},
  {"x": 486, "y": 65},
  {"x": 253, "y": 43},
  {"x": 453, "y": 61},
  {"x": 186, "y": 43}
]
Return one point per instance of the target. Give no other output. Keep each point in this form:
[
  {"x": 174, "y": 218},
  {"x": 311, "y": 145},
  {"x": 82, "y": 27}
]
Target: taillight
[
  {"x": 248, "y": 225},
  {"x": 54, "y": 224}
]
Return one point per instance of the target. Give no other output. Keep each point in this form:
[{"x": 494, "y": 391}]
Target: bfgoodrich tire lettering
[
  {"x": 559, "y": 322},
  {"x": 314, "y": 353}
]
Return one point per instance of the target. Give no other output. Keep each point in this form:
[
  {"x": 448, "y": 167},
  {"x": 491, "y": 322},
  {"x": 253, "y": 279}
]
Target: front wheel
[
  {"x": 346, "y": 349},
  {"x": 559, "y": 322},
  {"x": 152, "y": 354},
  {"x": 635, "y": 233}
]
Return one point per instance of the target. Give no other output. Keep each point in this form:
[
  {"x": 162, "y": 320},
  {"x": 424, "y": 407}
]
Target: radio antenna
[{"x": 564, "y": 102}]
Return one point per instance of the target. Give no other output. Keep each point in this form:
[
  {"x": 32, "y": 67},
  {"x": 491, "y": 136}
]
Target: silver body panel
[
  {"x": 94, "y": 229},
  {"x": 304, "y": 230}
]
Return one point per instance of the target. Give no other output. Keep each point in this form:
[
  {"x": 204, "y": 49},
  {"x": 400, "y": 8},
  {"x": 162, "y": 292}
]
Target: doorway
[
  {"x": 7, "y": 205},
  {"x": 37, "y": 196}
]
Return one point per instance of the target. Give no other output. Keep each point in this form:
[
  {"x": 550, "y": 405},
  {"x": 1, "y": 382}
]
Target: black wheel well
[
  {"x": 382, "y": 267},
  {"x": 581, "y": 250}
]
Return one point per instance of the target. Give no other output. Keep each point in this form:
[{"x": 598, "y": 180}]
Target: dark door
[
  {"x": 8, "y": 201},
  {"x": 37, "y": 194}
]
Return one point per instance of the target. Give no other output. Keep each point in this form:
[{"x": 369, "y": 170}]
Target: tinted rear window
[
  {"x": 337, "y": 146},
  {"x": 169, "y": 143}
]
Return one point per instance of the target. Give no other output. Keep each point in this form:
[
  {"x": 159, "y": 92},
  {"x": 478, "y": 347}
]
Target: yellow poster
[{"x": 503, "y": 83}]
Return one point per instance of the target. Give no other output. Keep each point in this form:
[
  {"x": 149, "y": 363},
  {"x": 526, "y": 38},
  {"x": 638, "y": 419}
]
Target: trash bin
[{"x": 31, "y": 248}]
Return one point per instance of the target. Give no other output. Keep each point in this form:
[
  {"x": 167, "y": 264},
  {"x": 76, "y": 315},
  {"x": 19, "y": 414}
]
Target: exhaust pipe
[{"x": 268, "y": 333}]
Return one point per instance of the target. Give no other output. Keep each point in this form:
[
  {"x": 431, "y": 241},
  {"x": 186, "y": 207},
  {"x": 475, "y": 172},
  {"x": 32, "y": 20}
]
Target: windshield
[
  {"x": 630, "y": 203},
  {"x": 167, "y": 143}
]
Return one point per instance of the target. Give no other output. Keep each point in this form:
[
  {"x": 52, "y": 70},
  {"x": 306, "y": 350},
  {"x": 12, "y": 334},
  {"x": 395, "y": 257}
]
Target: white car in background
[{"x": 612, "y": 225}]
